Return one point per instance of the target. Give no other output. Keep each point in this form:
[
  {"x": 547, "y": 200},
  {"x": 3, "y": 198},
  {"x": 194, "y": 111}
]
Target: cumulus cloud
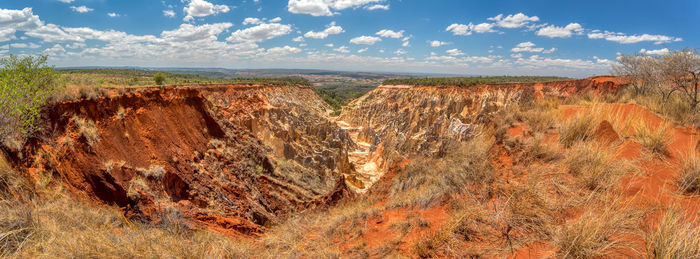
[
  {"x": 66, "y": 1},
  {"x": 251, "y": 20},
  {"x": 260, "y": 32},
  {"x": 655, "y": 51},
  {"x": 81, "y": 9},
  {"x": 169, "y": 13},
  {"x": 629, "y": 39},
  {"x": 400, "y": 52},
  {"x": 202, "y": 8},
  {"x": 325, "y": 7},
  {"x": 365, "y": 40},
  {"x": 513, "y": 21},
  {"x": 390, "y": 34},
  {"x": 454, "y": 52},
  {"x": 437, "y": 43},
  {"x": 282, "y": 51},
  {"x": 342, "y": 49},
  {"x": 298, "y": 39},
  {"x": 530, "y": 47},
  {"x": 377, "y": 7},
  {"x": 330, "y": 30},
  {"x": 189, "y": 32},
  {"x": 362, "y": 50},
  {"x": 560, "y": 32},
  {"x": 466, "y": 30},
  {"x": 113, "y": 15}
]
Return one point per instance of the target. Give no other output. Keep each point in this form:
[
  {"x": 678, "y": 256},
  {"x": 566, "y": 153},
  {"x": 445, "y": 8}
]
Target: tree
[
  {"x": 25, "y": 85},
  {"x": 682, "y": 69},
  {"x": 159, "y": 78},
  {"x": 643, "y": 72}
]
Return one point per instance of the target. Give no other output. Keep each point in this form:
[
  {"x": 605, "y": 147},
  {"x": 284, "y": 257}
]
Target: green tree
[
  {"x": 25, "y": 85},
  {"x": 159, "y": 78}
]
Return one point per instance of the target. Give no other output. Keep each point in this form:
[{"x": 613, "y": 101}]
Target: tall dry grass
[{"x": 675, "y": 237}]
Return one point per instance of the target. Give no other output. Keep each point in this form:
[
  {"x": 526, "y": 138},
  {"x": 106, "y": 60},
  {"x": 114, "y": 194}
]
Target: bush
[
  {"x": 159, "y": 78},
  {"x": 25, "y": 85}
]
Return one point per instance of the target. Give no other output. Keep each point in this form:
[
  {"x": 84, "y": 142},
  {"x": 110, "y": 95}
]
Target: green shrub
[
  {"x": 25, "y": 85},
  {"x": 159, "y": 78}
]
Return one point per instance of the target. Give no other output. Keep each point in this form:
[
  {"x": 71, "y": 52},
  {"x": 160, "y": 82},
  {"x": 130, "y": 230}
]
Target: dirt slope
[{"x": 234, "y": 157}]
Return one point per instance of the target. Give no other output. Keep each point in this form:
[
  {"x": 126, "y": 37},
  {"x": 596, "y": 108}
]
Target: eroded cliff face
[
  {"x": 233, "y": 157},
  {"x": 405, "y": 120}
]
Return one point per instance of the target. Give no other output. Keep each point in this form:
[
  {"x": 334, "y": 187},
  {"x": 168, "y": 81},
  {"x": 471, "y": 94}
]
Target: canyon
[{"x": 238, "y": 158}]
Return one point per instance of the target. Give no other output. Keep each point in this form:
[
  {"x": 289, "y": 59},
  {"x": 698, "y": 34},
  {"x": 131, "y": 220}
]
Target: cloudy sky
[{"x": 571, "y": 38}]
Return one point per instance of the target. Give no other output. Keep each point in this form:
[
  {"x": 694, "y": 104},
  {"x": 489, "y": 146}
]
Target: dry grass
[
  {"x": 675, "y": 237},
  {"x": 427, "y": 180},
  {"x": 154, "y": 172},
  {"x": 87, "y": 129},
  {"x": 656, "y": 140},
  {"x": 689, "y": 175},
  {"x": 538, "y": 150},
  {"x": 603, "y": 230},
  {"x": 580, "y": 128},
  {"x": 596, "y": 166}
]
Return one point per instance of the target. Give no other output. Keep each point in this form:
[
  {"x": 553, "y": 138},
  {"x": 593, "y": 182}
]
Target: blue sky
[{"x": 570, "y": 38}]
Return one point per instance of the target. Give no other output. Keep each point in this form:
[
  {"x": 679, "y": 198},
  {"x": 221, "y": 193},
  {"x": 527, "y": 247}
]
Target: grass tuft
[
  {"x": 674, "y": 238},
  {"x": 596, "y": 166},
  {"x": 87, "y": 129},
  {"x": 580, "y": 128},
  {"x": 689, "y": 176}
]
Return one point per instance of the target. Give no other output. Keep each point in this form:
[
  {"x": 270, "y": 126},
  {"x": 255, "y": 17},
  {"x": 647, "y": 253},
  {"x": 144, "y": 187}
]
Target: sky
[{"x": 467, "y": 37}]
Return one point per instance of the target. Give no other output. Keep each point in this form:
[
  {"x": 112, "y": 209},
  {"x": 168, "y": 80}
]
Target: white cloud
[
  {"x": 169, "y": 13},
  {"x": 202, "y": 8},
  {"x": 25, "y": 45},
  {"x": 330, "y": 30},
  {"x": 324, "y": 7},
  {"x": 437, "y": 43},
  {"x": 188, "y": 32},
  {"x": 81, "y": 9},
  {"x": 342, "y": 49},
  {"x": 260, "y": 32},
  {"x": 251, "y": 20},
  {"x": 466, "y": 30},
  {"x": 362, "y": 50},
  {"x": 282, "y": 51},
  {"x": 400, "y": 52},
  {"x": 629, "y": 39},
  {"x": 66, "y": 1},
  {"x": 113, "y": 15},
  {"x": 655, "y": 51},
  {"x": 377, "y": 7},
  {"x": 454, "y": 52},
  {"x": 560, "y": 32},
  {"x": 298, "y": 39},
  {"x": 330, "y": 45},
  {"x": 365, "y": 40},
  {"x": 530, "y": 47},
  {"x": 390, "y": 34},
  {"x": 276, "y": 19},
  {"x": 513, "y": 21}
]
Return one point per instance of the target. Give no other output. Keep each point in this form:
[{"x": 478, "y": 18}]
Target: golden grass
[
  {"x": 580, "y": 128},
  {"x": 427, "y": 180},
  {"x": 603, "y": 230},
  {"x": 675, "y": 237},
  {"x": 87, "y": 129},
  {"x": 596, "y": 166},
  {"x": 689, "y": 176},
  {"x": 656, "y": 140}
]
